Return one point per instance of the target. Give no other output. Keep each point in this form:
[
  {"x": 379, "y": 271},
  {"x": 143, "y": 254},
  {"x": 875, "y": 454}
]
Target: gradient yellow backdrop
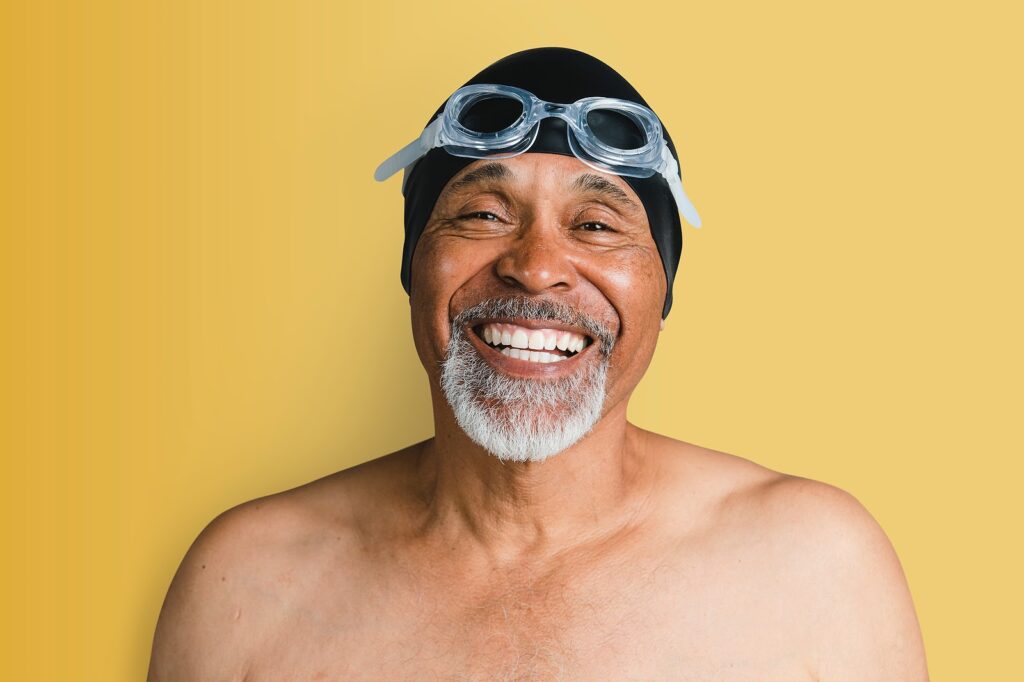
[{"x": 202, "y": 303}]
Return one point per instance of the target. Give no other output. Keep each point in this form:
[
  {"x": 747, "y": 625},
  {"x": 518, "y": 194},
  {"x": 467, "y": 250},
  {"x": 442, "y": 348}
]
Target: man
[{"x": 539, "y": 534}]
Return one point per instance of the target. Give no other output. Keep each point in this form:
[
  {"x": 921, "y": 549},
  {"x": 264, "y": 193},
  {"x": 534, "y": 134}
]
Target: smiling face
[{"x": 536, "y": 298}]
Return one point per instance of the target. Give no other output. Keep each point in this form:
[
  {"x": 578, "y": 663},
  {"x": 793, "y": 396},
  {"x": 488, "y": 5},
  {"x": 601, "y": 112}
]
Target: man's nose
[{"x": 537, "y": 260}]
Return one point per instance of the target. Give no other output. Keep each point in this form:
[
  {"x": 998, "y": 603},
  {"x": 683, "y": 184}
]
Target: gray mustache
[{"x": 539, "y": 309}]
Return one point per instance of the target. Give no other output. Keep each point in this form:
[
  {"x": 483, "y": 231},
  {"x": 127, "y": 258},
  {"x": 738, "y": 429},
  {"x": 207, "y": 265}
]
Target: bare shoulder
[
  {"x": 851, "y": 579},
  {"x": 746, "y": 496},
  {"x": 816, "y": 546},
  {"x": 253, "y": 562}
]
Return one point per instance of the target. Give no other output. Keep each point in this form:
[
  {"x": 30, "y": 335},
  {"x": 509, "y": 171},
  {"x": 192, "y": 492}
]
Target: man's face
[{"x": 522, "y": 261}]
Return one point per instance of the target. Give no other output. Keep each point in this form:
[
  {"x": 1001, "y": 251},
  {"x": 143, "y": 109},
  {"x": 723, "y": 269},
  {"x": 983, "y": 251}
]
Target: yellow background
[{"x": 202, "y": 303}]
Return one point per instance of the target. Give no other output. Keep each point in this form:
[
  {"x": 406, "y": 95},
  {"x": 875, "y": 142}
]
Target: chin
[{"x": 517, "y": 436}]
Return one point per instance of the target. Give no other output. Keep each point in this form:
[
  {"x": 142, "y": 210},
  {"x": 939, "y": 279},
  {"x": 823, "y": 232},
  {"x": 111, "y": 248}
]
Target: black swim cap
[{"x": 553, "y": 74}]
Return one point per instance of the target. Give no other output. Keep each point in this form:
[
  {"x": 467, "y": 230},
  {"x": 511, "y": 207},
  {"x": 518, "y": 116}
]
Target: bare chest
[{"x": 630, "y": 620}]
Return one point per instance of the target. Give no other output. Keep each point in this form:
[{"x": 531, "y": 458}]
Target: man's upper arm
[
  {"x": 868, "y": 628},
  {"x": 200, "y": 634}
]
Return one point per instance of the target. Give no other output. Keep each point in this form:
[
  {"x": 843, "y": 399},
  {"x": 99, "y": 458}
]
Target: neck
[{"x": 510, "y": 509}]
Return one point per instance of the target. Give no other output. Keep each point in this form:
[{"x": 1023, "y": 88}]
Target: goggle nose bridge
[{"x": 534, "y": 111}]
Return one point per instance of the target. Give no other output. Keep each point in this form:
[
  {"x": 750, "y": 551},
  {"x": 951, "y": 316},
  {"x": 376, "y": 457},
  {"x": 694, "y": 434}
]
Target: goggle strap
[
  {"x": 670, "y": 171},
  {"x": 682, "y": 201},
  {"x": 408, "y": 154}
]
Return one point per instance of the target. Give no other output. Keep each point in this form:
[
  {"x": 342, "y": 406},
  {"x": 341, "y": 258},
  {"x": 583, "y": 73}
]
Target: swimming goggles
[{"x": 612, "y": 135}]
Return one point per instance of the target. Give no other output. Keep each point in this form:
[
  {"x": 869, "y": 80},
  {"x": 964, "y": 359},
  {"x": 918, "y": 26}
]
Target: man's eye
[
  {"x": 479, "y": 215},
  {"x": 595, "y": 226}
]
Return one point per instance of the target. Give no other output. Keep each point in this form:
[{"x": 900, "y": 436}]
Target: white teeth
[
  {"x": 492, "y": 334},
  {"x": 532, "y": 355},
  {"x": 520, "y": 339},
  {"x": 504, "y": 334}
]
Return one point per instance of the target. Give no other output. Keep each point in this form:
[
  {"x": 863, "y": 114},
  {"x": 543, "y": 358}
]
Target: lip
[
  {"x": 524, "y": 368},
  {"x": 533, "y": 324}
]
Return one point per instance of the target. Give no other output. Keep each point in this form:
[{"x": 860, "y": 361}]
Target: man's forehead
[
  {"x": 481, "y": 172},
  {"x": 567, "y": 173}
]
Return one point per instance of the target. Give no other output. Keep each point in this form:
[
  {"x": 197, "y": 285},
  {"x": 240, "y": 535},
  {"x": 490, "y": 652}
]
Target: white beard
[{"x": 523, "y": 420}]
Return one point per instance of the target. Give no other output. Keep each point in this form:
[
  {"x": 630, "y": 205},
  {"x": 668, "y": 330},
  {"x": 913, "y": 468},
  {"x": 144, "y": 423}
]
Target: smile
[{"x": 541, "y": 345}]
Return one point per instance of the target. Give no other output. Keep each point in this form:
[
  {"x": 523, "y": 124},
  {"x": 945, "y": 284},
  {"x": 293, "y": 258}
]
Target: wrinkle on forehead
[
  {"x": 585, "y": 181},
  {"x": 591, "y": 182},
  {"x": 491, "y": 171}
]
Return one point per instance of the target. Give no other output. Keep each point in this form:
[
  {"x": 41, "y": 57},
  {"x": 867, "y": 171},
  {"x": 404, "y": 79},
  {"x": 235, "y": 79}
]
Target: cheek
[
  {"x": 636, "y": 284},
  {"x": 632, "y": 275},
  {"x": 426, "y": 301},
  {"x": 440, "y": 267},
  {"x": 429, "y": 268}
]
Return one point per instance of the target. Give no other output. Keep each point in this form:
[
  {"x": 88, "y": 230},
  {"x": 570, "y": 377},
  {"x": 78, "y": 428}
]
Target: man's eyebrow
[
  {"x": 488, "y": 171},
  {"x": 588, "y": 182}
]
